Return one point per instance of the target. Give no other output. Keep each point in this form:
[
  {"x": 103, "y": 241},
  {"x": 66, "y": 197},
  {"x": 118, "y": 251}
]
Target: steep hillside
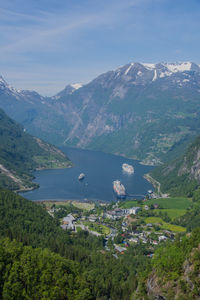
[
  {"x": 181, "y": 176},
  {"x": 175, "y": 271},
  {"x": 145, "y": 111},
  {"x": 20, "y": 154},
  {"x": 28, "y": 273},
  {"x": 73, "y": 265}
]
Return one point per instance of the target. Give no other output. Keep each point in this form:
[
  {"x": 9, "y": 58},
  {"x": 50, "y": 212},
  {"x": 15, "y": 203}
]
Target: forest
[
  {"x": 37, "y": 256},
  {"x": 102, "y": 276}
]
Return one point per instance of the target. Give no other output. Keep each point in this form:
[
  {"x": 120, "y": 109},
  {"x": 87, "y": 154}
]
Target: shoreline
[
  {"x": 156, "y": 184},
  {"x": 86, "y": 201}
]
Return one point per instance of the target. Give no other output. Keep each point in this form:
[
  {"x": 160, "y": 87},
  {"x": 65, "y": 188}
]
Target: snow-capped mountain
[
  {"x": 146, "y": 73},
  {"x": 140, "y": 110},
  {"x": 23, "y": 95}
]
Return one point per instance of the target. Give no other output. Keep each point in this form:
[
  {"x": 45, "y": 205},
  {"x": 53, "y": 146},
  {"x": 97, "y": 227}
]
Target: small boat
[{"x": 81, "y": 176}]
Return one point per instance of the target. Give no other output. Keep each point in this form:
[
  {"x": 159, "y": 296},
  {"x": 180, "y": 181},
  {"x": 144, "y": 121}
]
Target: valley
[
  {"x": 99, "y": 150},
  {"x": 144, "y": 248},
  {"x": 148, "y": 112}
]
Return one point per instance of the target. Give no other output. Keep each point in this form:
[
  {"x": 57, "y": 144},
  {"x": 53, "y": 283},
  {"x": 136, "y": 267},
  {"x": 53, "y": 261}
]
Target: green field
[
  {"x": 172, "y": 213},
  {"x": 128, "y": 204},
  {"x": 97, "y": 227},
  {"x": 164, "y": 225},
  {"x": 153, "y": 220},
  {"x": 172, "y": 203},
  {"x": 172, "y": 227},
  {"x": 83, "y": 205}
]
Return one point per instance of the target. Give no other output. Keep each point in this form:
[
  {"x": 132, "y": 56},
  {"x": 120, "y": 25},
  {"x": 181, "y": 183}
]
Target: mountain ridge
[{"x": 142, "y": 111}]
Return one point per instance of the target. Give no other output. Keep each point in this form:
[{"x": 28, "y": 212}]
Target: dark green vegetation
[
  {"x": 38, "y": 257},
  {"x": 35, "y": 273},
  {"x": 181, "y": 176},
  {"x": 175, "y": 270},
  {"x": 175, "y": 266},
  {"x": 20, "y": 154},
  {"x": 81, "y": 269},
  {"x": 191, "y": 219}
]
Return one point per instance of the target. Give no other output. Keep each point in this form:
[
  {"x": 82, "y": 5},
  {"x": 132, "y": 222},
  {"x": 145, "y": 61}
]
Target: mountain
[
  {"x": 144, "y": 111},
  {"x": 21, "y": 153},
  {"x": 68, "y": 90},
  {"x": 181, "y": 176},
  {"x": 175, "y": 270}
]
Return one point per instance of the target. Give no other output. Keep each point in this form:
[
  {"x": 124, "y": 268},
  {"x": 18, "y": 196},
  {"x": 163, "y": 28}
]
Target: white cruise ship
[
  {"x": 119, "y": 189},
  {"x": 128, "y": 168}
]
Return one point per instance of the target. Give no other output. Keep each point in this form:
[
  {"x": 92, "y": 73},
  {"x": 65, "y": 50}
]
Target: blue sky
[{"x": 47, "y": 44}]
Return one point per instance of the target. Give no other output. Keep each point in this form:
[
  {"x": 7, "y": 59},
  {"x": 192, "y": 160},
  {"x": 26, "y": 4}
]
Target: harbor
[{"x": 100, "y": 170}]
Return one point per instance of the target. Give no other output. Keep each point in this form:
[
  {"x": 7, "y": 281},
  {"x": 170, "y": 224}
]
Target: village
[{"x": 120, "y": 224}]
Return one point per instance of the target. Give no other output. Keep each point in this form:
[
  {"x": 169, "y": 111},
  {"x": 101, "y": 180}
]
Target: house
[
  {"x": 68, "y": 222},
  {"x": 162, "y": 238},
  {"x": 114, "y": 214},
  {"x": 120, "y": 249},
  {"x": 134, "y": 210},
  {"x": 155, "y": 242},
  {"x": 92, "y": 218},
  {"x": 133, "y": 240},
  {"x": 144, "y": 241}
]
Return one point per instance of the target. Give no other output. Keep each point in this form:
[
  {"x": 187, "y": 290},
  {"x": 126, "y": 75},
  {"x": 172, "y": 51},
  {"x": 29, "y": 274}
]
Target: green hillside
[
  {"x": 37, "y": 255},
  {"x": 175, "y": 266},
  {"x": 86, "y": 271},
  {"x": 181, "y": 176},
  {"x": 175, "y": 270},
  {"x": 35, "y": 273},
  {"x": 20, "y": 154}
]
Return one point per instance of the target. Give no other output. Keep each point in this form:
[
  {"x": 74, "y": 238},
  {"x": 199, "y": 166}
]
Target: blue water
[{"x": 101, "y": 170}]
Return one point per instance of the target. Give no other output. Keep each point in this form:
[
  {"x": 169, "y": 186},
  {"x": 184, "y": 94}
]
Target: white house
[
  {"x": 134, "y": 210},
  {"x": 68, "y": 222},
  {"x": 162, "y": 238}
]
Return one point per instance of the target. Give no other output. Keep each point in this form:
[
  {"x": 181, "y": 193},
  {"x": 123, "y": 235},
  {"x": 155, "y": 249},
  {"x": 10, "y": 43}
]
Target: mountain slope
[
  {"x": 181, "y": 176},
  {"x": 20, "y": 154},
  {"x": 176, "y": 270},
  {"x": 93, "y": 273},
  {"x": 26, "y": 271},
  {"x": 145, "y": 111}
]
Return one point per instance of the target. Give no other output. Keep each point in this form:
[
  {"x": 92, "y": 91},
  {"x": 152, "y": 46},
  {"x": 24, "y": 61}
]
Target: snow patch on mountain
[
  {"x": 163, "y": 74},
  {"x": 178, "y": 67},
  {"x": 149, "y": 66},
  {"x": 155, "y": 75},
  {"x": 76, "y": 86},
  {"x": 128, "y": 69}
]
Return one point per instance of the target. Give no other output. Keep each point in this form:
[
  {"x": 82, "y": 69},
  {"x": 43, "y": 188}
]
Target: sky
[{"x": 47, "y": 44}]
